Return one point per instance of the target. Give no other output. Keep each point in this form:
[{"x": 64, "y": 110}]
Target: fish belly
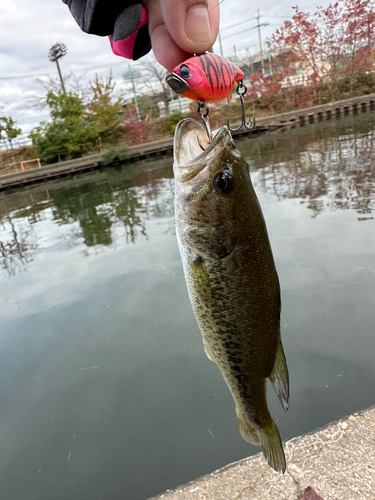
[{"x": 237, "y": 306}]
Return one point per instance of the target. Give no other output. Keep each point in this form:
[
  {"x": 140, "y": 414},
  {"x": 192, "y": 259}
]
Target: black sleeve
[{"x": 114, "y": 18}]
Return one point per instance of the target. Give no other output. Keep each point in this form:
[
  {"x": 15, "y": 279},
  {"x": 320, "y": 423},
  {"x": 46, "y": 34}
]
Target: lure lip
[{"x": 177, "y": 84}]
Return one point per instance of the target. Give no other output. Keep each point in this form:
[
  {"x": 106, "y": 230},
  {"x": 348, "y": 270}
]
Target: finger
[
  {"x": 166, "y": 50},
  {"x": 193, "y": 24}
]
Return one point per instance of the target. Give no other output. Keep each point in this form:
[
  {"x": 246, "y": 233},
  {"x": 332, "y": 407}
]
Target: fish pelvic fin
[
  {"x": 273, "y": 447},
  {"x": 280, "y": 377},
  {"x": 247, "y": 430},
  {"x": 209, "y": 353}
]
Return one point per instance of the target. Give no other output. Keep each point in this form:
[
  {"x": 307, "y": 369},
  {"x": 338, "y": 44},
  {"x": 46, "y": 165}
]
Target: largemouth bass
[{"x": 231, "y": 278}]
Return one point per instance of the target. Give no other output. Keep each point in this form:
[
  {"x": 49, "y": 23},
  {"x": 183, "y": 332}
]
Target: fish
[
  {"x": 231, "y": 278},
  {"x": 208, "y": 78}
]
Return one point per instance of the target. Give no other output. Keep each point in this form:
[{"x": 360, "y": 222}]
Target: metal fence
[{"x": 20, "y": 166}]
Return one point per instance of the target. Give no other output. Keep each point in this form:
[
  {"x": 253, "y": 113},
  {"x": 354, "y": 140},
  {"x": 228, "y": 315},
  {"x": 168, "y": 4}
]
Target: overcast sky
[{"x": 28, "y": 29}]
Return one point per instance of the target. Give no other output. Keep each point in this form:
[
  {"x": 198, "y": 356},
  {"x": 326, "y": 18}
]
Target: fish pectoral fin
[
  {"x": 209, "y": 353},
  {"x": 280, "y": 377},
  {"x": 214, "y": 242}
]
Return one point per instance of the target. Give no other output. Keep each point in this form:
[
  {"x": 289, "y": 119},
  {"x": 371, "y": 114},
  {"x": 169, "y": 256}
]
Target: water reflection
[
  {"x": 325, "y": 167},
  {"x": 112, "y": 203},
  {"x": 16, "y": 245},
  {"x": 103, "y": 378},
  {"x": 97, "y": 210}
]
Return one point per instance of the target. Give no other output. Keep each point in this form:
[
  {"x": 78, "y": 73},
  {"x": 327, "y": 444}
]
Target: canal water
[{"x": 105, "y": 389}]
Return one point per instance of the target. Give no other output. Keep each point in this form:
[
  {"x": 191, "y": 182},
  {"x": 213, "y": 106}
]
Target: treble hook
[
  {"x": 241, "y": 91},
  {"x": 206, "y": 120}
]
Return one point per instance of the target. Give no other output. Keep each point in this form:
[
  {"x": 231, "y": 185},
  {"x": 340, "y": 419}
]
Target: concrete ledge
[
  {"x": 337, "y": 461},
  {"x": 164, "y": 146},
  {"x": 323, "y": 108}
]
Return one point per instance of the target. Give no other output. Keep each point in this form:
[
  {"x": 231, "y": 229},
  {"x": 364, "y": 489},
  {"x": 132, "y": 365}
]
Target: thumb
[{"x": 193, "y": 24}]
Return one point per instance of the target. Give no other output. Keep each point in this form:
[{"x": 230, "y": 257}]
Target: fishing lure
[{"x": 209, "y": 78}]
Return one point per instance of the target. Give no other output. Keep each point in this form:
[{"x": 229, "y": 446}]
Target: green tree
[
  {"x": 171, "y": 121},
  {"x": 70, "y": 134},
  {"x": 154, "y": 80},
  {"x": 105, "y": 111},
  {"x": 147, "y": 107},
  {"x": 9, "y": 129}
]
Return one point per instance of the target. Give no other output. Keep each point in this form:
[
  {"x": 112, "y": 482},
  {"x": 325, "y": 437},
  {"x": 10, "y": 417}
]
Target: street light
[{"x": 56, "y": 52}]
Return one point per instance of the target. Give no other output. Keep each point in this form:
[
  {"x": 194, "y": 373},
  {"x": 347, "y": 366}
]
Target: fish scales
[
  {"x": 231, "y": 278},
  {"x": 222, "y": 309}
]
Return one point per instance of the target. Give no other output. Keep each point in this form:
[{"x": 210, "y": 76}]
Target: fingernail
[{"x": 197, "y": 25}]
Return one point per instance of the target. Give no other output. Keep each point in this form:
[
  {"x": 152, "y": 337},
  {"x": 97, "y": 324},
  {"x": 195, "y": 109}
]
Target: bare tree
[
  {"x": 17, "y": 249},
  {"x": 151, "y": 80},
  {"x": 51, "y": 83}
]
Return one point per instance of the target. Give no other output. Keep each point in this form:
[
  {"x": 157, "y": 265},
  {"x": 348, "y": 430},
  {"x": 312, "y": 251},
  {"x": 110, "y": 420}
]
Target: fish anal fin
[
  {"x": 247, "y": 430},
  {"x": 280, "y": 377}
]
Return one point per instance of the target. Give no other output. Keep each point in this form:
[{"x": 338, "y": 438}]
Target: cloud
[{"x": 29, "y": 29}]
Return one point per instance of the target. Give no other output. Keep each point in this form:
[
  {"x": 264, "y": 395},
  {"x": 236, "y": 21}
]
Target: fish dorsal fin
[{"x": 280, "y": 377}]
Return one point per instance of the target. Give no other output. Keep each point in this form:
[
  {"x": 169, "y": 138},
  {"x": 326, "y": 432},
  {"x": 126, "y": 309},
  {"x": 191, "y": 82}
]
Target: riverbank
[
  {"x": 336, "y": 461},
  {"x": 165, "y": 147}
]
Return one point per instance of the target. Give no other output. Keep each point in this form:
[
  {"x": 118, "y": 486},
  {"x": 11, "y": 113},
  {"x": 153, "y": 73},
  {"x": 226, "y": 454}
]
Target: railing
[
  {"x": 18, "y": 166},
  {"x": 28, "y": 161},
  {"x": 5, "y": 170}
]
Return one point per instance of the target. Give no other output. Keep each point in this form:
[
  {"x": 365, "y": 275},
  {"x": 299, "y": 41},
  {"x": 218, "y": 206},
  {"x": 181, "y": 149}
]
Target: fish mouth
[
  {"x": 188, "y": 139},
  {"x": 177, "y": 84}
]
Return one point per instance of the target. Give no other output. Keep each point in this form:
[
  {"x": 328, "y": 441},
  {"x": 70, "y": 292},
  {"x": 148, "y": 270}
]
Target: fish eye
[
  {"x": 185, "y": 71},
  {"x": 222, "y": 183}
]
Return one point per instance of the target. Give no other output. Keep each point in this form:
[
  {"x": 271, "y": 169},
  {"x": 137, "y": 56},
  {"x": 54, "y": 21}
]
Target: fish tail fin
[
  {"x": 280, "y": 377},
  {"x": 247, "y": 430},
  {"x": 273, "y": 447},
  {"x": 268, "y": 437}
]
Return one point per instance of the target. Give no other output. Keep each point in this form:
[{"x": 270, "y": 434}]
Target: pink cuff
[{"x": 125, "y": 47}]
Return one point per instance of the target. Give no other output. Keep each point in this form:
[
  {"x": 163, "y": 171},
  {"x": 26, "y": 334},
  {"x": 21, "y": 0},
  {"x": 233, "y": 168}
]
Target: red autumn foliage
[
  {"x": 135, "y": 131},
  {"x": 265, "y": 85},
  {"x": 330, "y": 49},
  {"x": 267, "y": 93}
]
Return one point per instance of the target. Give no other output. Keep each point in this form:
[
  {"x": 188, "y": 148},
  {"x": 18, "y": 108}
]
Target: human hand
[
  {"x": 177, "y": 28},
  {"x": 180, "y": 28}
]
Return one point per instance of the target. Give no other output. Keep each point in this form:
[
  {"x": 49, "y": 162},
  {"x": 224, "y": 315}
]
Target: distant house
[
  {"x": 258, "y": 63},
  {"x": 268, "y": 62}
]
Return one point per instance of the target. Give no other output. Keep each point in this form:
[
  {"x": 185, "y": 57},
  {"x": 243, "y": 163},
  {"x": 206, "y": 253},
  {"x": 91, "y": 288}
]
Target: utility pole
[
  {"x": 172, "y": 100},
  {"x": 221, "y": 47},
  {"x": 259, "y": 25},
  {"x": 269, "y": 60},
  {"x": 260, "y": 38},
  {"x": 56, "y": 52},
  {"x": 135, "y": 95},
  {"x": 222, "y": 55}
]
